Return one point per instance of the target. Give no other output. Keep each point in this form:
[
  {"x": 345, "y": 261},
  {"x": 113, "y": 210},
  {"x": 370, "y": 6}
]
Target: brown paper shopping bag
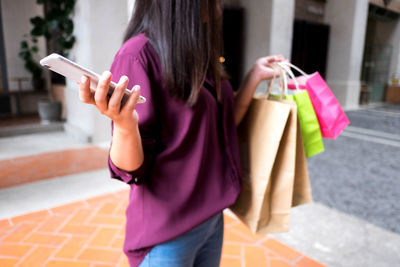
[
  {"x": 302, "y": 186},
  {"x": 267, "y": 139}
]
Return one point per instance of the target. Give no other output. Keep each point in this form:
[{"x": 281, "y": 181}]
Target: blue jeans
[{"x": 201, "y": 247}]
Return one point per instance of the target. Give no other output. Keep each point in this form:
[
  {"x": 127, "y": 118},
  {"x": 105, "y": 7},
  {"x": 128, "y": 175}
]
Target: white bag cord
[
  {"x": 283, "y": 87},
  {"x": 296, "y": 68},
  {"x": 291, "y": 75}
]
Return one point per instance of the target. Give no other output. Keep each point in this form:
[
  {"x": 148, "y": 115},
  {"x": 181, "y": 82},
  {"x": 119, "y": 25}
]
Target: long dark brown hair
[{"x": 187, "y": 37}]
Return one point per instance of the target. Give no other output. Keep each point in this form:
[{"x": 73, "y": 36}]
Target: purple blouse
[{"x": 191, "y": 168}]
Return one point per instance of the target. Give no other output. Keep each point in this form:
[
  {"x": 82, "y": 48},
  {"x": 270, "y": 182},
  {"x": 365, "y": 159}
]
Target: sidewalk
[
  {"x": 90, "y": 233},
  {"x": 76, "y": 218},
  {"x": 354, "y": 220}
]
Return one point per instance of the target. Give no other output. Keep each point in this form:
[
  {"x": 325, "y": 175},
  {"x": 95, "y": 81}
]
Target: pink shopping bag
[{"x": 330, "y": 114}]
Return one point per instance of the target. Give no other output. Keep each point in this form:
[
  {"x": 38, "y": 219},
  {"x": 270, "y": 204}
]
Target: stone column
[
  {"x": 99, "y": 27},
  {"x": 268, "y": 29},
  {"x": 131, "y": 4},
  {"x": 394, "y": 40},
  {"x": 281, "y": 18},
  {"x": 348, "y": 20}
]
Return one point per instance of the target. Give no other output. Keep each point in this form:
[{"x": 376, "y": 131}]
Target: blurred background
[{"x": 53, "y": 148}]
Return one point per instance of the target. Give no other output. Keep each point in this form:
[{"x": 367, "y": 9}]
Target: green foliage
[
  {"x": 26, "y": 53},
  {"x": 56, "y": 26}
]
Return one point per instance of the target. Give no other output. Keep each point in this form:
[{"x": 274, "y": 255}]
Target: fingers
[
  {"x": 100, "y": 95},
  {"x": 280, "y": 58},
  {"x": 85, "y": 95},
  {"x": 276, "y": 58},
  {"x": 133, "y": 98},
  {"x": 114, "y": 104}
]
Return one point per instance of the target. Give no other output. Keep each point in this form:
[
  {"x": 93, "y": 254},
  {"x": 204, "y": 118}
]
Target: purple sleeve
[
  {"x": 134, "y": 69},
  {"x": 128, "y": 177}
]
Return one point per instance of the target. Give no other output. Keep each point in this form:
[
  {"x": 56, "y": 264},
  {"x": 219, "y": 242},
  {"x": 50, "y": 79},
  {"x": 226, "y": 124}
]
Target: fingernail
[
  {"x": 123, "y": 79},
  {"x": 136, "y": 88},
  {"x": 83, "y": 79},
  {"x": 106, "y": 74}
]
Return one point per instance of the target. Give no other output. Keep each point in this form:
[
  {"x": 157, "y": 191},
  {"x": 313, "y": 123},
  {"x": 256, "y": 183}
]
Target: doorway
[
  {"x": 5, "y": 102},
  {"x": 233, "y": 36},
  {"x": 310, "y": 46},
  {"x": 378, "y": 51},
  {"x": 376, "y": 69}
]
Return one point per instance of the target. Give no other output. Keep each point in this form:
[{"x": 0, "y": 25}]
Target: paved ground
[
  {"x": 384, "y": 118},
  {"x": 31, "y": 144},
  {"x": 354, "y": 220},
  {"x": 56, "y": 191},
  {"x": 87, "y": 229},
  {"x": 340, "y": 240},
  {"x": 90, "y": 233},
  {"x": 355, "y": 183},
  {"x": 359, "y": 173}
]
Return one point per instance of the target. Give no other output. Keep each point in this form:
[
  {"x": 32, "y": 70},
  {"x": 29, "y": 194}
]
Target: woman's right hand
[{"x": 125, "y": 118}]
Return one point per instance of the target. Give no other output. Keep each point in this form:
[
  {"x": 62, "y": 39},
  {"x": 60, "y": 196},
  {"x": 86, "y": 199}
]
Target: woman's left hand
[{"x": 263, "y": 67}]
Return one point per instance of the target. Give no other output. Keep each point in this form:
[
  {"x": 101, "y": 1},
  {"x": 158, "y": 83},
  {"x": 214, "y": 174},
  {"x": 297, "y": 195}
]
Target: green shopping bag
[{"x": 310, "y": 129}]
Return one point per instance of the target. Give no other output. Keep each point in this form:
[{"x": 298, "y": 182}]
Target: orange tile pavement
[
  {"x": 20, "y": 170},
  {"x": 90, "y": 233}
]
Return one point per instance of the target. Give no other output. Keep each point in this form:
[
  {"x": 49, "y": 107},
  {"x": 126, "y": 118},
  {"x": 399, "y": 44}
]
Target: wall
[
  {"x": 394, "y": 5},
  {"x": 14, "y": 28},
  {"x": 98, "y": 39},
  {"x": 395, "y": 64},
  {"x": 348, "y": 21},
  {"x": 268, "y": 29},
  {"x": 231, "y": 2},
  {"x": 310, "y": 10},
  {"x": 281, "y": 15},
  {"x": 388, "y": 33}
]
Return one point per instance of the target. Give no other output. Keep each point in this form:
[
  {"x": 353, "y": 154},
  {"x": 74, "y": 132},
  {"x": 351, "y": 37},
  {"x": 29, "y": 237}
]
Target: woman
[{"x": 179, "y": 150}]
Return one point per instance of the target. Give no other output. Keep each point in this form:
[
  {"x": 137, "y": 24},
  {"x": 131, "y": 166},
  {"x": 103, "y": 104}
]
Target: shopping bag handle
[
  {"x": 296, "y": 68},
  {"x": 283, "y": 87},
  {"x": 283, "y": 66}
]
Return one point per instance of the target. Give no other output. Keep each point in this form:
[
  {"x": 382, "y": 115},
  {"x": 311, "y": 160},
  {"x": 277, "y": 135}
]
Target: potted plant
[
  {"x": 56, "y": 26},
  {"x": 27, "y": 54}
]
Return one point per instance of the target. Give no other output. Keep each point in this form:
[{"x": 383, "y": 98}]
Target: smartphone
[{"x": 74, "y": 71}]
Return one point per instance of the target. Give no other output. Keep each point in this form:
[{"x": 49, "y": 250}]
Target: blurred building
[{"x": 349, "y": 42}]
